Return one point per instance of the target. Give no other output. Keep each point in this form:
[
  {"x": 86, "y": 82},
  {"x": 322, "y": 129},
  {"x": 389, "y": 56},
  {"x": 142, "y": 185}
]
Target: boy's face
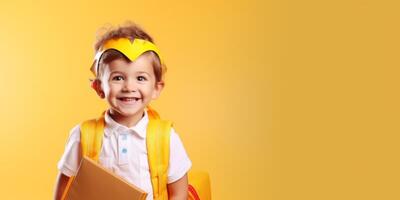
[{"x": 129, "y": 86}]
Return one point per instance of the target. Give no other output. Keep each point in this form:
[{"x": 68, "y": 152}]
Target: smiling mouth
[{"x": 128, "y": 99}]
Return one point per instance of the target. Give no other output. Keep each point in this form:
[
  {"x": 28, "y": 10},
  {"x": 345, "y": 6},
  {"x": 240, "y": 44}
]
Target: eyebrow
[
  {"x": 143, "y": 72},
  {"x": 116, "y": 72},
  {"x": 138, "y": 72}
]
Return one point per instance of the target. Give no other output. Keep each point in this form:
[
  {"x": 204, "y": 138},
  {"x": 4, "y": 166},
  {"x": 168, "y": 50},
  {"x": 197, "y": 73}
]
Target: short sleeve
[
  {"x": 179, "y": 162},
  {"x": 69, "y": 161}
]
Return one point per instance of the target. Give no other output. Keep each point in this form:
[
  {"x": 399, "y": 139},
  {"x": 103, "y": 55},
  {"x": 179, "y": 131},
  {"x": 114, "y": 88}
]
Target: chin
[{"x": 130, "y": 113}]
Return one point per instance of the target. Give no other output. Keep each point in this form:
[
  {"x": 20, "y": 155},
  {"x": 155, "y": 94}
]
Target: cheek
[
  {"x": 109, "y": 89},
  {"x": 106, "y": 88},
  {"x": 113, "y": 89},
  {"x": 154, "y": 93},
  {"x": 150, "y": 90}
]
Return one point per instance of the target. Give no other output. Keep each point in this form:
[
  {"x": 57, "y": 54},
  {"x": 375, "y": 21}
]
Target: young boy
[{"x": 128, "y": 79}]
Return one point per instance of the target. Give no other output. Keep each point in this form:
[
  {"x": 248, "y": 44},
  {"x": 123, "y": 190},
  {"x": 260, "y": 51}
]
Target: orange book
[{"x": 94, "y": 182}]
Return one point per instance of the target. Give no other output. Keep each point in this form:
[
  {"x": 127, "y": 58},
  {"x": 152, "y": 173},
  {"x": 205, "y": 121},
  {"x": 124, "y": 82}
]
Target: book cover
[{"x": 95, "y": 182}]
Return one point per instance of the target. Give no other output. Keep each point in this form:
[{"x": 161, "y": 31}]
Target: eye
[
  {"x": 117, "y": 78},
  {"x": 141, "y": 78}
]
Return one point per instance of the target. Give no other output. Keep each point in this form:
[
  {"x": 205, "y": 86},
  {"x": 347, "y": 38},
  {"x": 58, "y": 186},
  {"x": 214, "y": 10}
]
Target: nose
[{"x": 129, "y": 85}]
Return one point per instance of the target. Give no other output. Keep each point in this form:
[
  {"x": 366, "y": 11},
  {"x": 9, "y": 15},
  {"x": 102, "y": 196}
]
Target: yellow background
[{"x": 275, "y": 99}]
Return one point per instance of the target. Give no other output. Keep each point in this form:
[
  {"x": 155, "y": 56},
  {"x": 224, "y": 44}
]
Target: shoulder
[
  {"x": 174, "y": 138},
  {"x": 75, "y": 134},
  {"x": 173, "y": 133},
  {"x": 177, "y": 149},
  {"x": 70, "y": 159},
  {"x": 74, "y": 137}
]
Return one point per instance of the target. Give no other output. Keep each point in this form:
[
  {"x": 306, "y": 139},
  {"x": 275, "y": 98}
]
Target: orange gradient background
[{"x": 275, "y": 99}]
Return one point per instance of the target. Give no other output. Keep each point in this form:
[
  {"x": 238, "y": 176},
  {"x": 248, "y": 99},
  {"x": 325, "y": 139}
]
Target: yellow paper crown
[{"x": 132, "y": 50}]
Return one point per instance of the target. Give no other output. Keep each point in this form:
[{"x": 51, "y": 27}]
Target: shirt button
[{"x": 124, "y": 150}]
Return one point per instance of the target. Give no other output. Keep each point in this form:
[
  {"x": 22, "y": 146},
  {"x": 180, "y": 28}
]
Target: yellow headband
[{"x": 132, "y": 50}]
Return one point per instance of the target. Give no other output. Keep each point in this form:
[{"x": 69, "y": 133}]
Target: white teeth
[{"x": 129, "y": 99}]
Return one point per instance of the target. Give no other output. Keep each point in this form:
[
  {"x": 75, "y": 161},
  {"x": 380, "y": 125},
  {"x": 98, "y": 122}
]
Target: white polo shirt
[{"x": 124, "y": 152}]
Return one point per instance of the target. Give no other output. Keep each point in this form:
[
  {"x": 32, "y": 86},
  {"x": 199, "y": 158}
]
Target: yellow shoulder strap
[
  {"x": 157, "y": 140},
  {"x": 92, "y": 137},
  {"x": 91, "y": 141}
]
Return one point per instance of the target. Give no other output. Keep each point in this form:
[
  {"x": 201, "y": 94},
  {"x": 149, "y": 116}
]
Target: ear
[
  {"x": 157, "y": 89},
  {"x": 96, "y": 85}
]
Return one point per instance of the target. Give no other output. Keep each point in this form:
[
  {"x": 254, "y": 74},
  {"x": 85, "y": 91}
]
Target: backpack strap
[
  {"x": 158, "y": 141},
  {"x": 92, "y": 132},
  {"x": 192, "y": 193},
  {"x": 91, "y": 141}
]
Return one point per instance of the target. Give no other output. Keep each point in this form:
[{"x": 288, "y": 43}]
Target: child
[{"x": 128, "y": 82}]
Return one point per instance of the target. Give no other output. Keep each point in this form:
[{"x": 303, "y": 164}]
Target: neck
[{"x": 128, "y": 121}]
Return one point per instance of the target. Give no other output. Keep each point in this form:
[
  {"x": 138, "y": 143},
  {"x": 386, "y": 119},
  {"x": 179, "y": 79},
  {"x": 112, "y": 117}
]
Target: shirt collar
[{"x": 114, "y": 127}]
